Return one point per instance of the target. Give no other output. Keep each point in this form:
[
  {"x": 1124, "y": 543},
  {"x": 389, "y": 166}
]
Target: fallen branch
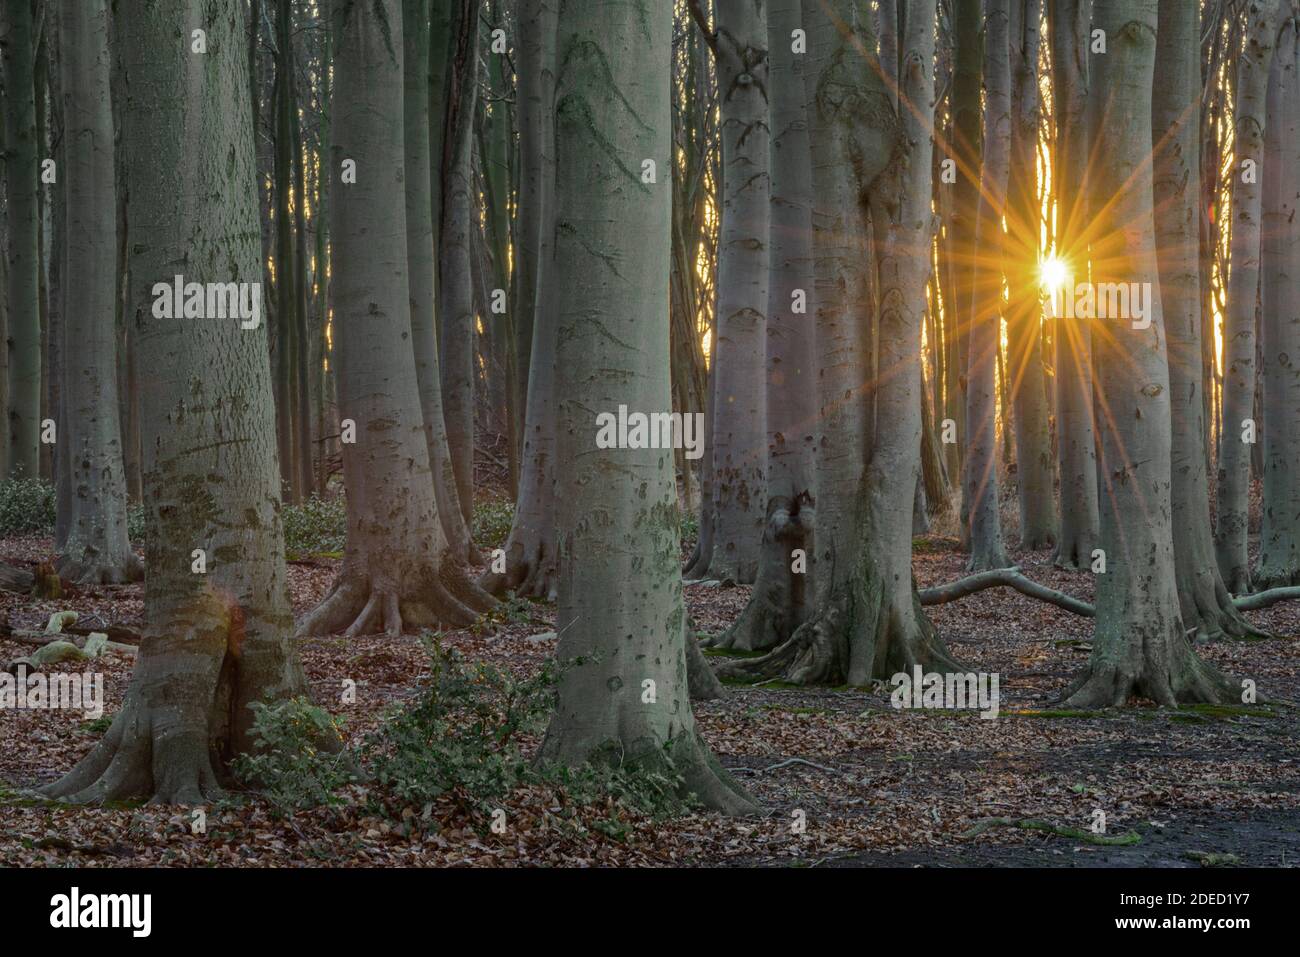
[
  {"x": 785, "y": 763},
  {"x": 1033, "y": 824},
  {"x": 1003, "y": 577},
  {"x": 1264, "y": 599}
]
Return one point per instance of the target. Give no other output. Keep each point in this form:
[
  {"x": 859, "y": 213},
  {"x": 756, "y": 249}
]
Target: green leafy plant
[
  {"x": 492, "y": 521},
  {"x": 26, "y": 506},
  {"x": 298, "y": 761},
  {"x": 319, "y": 526}
]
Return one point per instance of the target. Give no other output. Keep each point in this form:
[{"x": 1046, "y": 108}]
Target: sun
[{"x": 1053, "y": 272}]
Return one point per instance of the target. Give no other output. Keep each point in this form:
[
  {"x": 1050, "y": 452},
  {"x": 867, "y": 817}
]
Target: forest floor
[{"x": 872, "y": 785}]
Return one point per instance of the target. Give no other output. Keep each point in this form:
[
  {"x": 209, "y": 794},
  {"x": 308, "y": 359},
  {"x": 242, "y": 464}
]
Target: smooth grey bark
[
  {"x": 1279, "y": 558},
  {"x": 1076, "y": 449},
  {"x": 621, "y": 619},
  {"x": 214, "y": 643},
  {"x": 397, "y": 568},
  {"x": 22, "y": 145},
  {"x": 967, "y": 150},
  {"x": 456, "y": 317},
  {"x": 739, "y": 350},
  {"x": 95, "y": 548},
  {"x": 421, "y": 264},
  {"x": 866, "y": 622},
  {"x": 1027, "y": 380},
  {"x": 980, "y": 476},
  {"x": 1207, "y": 608},
  {"x": 1139, "y": 648},
  {"x": 1263, "y": 18},
  {"x": 778, "y": 604},
  {"x": 530, "y": 552}
]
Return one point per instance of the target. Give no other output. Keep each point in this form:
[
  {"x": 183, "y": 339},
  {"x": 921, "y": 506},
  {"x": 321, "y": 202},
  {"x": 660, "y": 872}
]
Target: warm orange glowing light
[{"x": 1053, "y": 272}]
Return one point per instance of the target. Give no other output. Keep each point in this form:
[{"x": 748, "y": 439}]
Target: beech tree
[
  {"x": 529, "y": 549},
  {"x": 621, "y": 620},
  {"x": 217, "y": 615},
  {"x": 865, "y": 621},
  {"x": 422, "y": 264},
  {"x": 1279, "y": 554},
  {"x": 739, "y": 411},
  {"x": 1240, "y": 430},
  {"x": 779, "y": 602},
  {"x": 23, "y": 319},
  {"x": 398, "y": 567},
  {"x": 1076, "y": 447},
  {"x": 95, "y": 548},
  {"x": 456, "y": 315},
  {"x": 1140, "y": 646},
  {"x": 1207, "y": 607},
  {"x": 980, "y": 463}
]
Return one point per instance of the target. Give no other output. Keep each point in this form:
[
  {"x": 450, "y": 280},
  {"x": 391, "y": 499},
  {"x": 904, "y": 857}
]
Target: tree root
[
  {"x": 1265, "y": 599},
  {"x": 1190, "y": 680},
  {"x": 702, "y": 683},
  {"x": 153, "y": 751},
  {"x": 1009, "y": 577},
  {"x": 88, "y": 570},
  {"x": 356, "y": 606},
  {"x": 1033, "y": 824},
  {"x": 857, "y": 635},
  {"x": 530, "y": 571},
  {"x": 777, "y": 605}
]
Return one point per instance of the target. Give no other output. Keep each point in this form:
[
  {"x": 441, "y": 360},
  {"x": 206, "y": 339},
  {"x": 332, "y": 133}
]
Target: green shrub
[
  {"x": 294, "y": 763},
  {"x": 319, "y": 526},
  {"x": 461, "y": 738},
  {"x": 461, "y": 735},
  {"x": 492, "y": 521},
  {"x": 26, "y": 506}
]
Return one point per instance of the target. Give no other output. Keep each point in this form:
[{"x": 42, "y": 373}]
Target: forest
[{"x": 649, "y": 434}]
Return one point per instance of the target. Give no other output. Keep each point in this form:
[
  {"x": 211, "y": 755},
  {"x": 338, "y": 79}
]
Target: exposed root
[
  {"x": 1189, "y": 680},
  {"x": 357, "y": 606},
  {"x": 530, "y": 572},
  {"x": 778, "y": 604},
  {"x": 702, "y": 683},
  {"x": 1265, "y": 599},
  {"x": 856, "y": 636},
  {"x": 88, "y": 570},
  {"x": 159, "y": 751},
  {"x": 1073, "y": 556},
  {"x": 1010, "y": 578},
  {"x": 1214, "y": 615}
]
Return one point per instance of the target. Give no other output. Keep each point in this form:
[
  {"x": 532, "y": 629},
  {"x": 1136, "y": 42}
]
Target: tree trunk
[
  {"x": 216, "y": 642},
  {"x": 1207, "y": 607},
  {"x": 778, "y": 603},
  {"x": 980, "y": 478},
  {"x": 96, "y": 548},
  {"x": 286, "y": 301},
  {"x": 967, "y": 148},
  {"x": 739, "y": 351},
  {"x": 455, "y": 280},
  {"x": 397, "y": 567},
  {"x": 865, "y": 621},
  {"x": 1279, "y": 560},
  {"x": 421, "y": 260},
  {"x": 1024, "y": 312},
  {"x": 530, "y": 552},
  {"x": 1239, "y": 431},
  {"x": 1139, "y": 648},
  {"x": 1076, "y": 446},
  {"x": 621, "y": 618},
  {"x": 23, "y": 291}
]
